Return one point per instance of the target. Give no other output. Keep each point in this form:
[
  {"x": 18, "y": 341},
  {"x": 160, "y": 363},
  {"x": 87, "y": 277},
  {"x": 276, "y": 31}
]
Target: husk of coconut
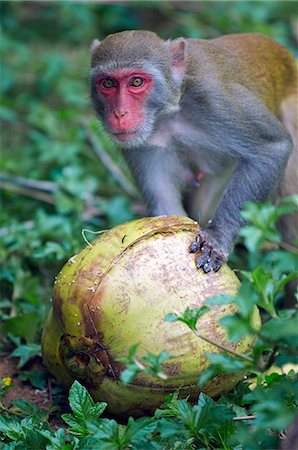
[{"x": 115, "y": 293}]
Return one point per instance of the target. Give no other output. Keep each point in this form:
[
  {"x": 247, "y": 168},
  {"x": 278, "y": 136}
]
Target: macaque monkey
[{"x": 222, "y": 108}]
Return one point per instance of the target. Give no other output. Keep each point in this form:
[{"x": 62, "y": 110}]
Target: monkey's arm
[
  {"x": 160, "y": 177},
  {"x": 261, "y": 146},
  {"x": 216, "y": 240}
]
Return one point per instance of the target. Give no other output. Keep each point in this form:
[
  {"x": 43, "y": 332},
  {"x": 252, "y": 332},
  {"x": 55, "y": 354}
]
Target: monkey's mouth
[{"x": 126, "y": 135}]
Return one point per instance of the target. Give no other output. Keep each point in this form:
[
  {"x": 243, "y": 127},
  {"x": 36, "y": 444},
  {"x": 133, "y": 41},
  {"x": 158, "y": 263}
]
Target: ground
[{"x": 25, "y": 391}]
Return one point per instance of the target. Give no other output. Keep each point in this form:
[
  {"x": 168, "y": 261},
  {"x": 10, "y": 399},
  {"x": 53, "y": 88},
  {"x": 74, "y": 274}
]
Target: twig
[
  {"x": 50, "y": 391},
  {"x": 37, "y": 185},
  {"x": 108, "y": 162},
  {"x": 221, "y": 347},
  {"x": 252, "y": 417},
  {"x": 39, "y": 195},
  {"x": 288, "y": 247}
]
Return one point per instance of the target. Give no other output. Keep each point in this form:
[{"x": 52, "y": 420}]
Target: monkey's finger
[
  {"x": 197, "y": 244},
  {"x": 217, "y": 263},
  {"x": 204, "y": 262},
  {"x": 194, "y": 247},
  {"x": 208, "y": 262},
  {"x": 207, "y": 267}
]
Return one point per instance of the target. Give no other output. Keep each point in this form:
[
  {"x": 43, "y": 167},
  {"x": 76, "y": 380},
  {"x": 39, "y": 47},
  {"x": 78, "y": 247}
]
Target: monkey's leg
[{"x": 203, "y": 199}]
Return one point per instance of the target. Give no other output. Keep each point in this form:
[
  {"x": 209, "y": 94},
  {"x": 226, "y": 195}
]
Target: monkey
[{"x": 224, "y": 108}]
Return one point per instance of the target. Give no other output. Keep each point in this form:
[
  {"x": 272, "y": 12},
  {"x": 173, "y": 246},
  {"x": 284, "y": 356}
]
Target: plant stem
[
  {"x": 288, "y": 247},
  {"x": 222, "y": 347}
]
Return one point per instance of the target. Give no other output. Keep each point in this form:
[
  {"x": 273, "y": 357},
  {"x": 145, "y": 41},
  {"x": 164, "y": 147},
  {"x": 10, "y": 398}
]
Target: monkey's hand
[{"x": 211, "y": 256}]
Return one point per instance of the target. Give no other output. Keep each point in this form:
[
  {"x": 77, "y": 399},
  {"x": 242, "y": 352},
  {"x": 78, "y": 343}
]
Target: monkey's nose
[{"x": 120, "y": 113}]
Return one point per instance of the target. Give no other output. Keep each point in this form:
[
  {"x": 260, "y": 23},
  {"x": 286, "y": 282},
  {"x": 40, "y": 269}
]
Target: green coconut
[{"x": 116, "y": 293}]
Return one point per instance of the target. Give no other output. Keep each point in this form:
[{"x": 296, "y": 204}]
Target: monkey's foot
[{"x": 210, "y": 258}]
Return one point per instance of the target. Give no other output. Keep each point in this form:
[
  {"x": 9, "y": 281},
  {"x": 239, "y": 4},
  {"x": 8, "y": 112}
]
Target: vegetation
[{"x": 61, "y": 174}]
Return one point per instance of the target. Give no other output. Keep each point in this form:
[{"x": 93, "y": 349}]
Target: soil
[
  {"x": 21, "y": 390},
  {"x": 25, "y": 391}
]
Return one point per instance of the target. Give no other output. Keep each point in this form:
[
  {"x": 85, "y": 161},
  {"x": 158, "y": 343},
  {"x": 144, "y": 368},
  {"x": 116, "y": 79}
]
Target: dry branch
[{"x": 107, "y": 161}]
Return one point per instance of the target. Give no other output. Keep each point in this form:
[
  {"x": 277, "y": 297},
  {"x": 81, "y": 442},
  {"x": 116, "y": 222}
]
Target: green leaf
[
  {"x": 222, "y": 299},
  {"x": 118, "y": 210},
  {"x": 285, "y": 279},
  {"x": 279, "y": 328},
  {"x": 138, "y": 430},
  {"x": 30, "y": 410},
  {"x": 109, "y": 435},
  {"x": 204, "y": 423},
  {"x": 209, "y": 408},
  {"x": 171, "y": 317},
  {"x": 128, "y": 375},
  {"x": 149, "y": 364},
  {"x": 84, "y": 410},
  {"x": 131, "y": 355},
  {"x": 246, "y": 299},
  {"x": 228, "y": 363},
  {"x": 169, "y": 428},
  {"x": 276, "y": 403},
  {"x": 10, "y": 428},
  {"x": 154, "y": 362},
  {"x": 237, "y": 327},
  {"x": 8, "y": 114},
  {"x": 23, "y": 325},
  {"x": 26, "y": 352},
  {"x": 58, "y": 440},
  {"x": 191, "y": 315},
  {"x": 36, "y": 378},
  {"x": 80, "y": 401},
  {"x": 76, "y": 428},
  {"x": 82, "y": 404},
  {"x": 209, "y": 374},
  {"x": 220, "y": 364}
]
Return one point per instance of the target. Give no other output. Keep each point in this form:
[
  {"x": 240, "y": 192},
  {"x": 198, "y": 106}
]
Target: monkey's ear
[
  {"x": 95, "y": 43},
  {"x": 177, "y": 51}
]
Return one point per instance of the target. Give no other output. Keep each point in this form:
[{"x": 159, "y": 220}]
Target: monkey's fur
[{"x": 226, "y": 107}]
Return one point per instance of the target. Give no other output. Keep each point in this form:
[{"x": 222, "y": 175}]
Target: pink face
[{"x": 124, "y": 92}]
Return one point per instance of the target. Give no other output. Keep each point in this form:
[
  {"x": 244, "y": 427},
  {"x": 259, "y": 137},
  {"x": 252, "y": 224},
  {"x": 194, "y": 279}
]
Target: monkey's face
[
  {"x": 124, "y": 100},
  {"x": 123, "y": 94},
  {"x": 135, "y": 78}
]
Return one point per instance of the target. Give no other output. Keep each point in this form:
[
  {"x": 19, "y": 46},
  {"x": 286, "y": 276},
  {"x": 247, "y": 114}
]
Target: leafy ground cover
[
  {"x": 256, "y": 414},
  {"x": 60, "y": 174}
]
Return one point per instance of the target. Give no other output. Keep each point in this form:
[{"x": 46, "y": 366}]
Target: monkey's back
[{"x": 230, "y": 59}]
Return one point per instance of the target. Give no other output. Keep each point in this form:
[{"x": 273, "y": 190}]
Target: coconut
[{"x": 116, "y": 293}]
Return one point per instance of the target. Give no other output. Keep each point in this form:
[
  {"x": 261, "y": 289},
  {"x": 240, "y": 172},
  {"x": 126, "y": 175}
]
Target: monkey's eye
[
  {"x": 107, "y": 83},
  {"x": 136, "y": 82}
]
